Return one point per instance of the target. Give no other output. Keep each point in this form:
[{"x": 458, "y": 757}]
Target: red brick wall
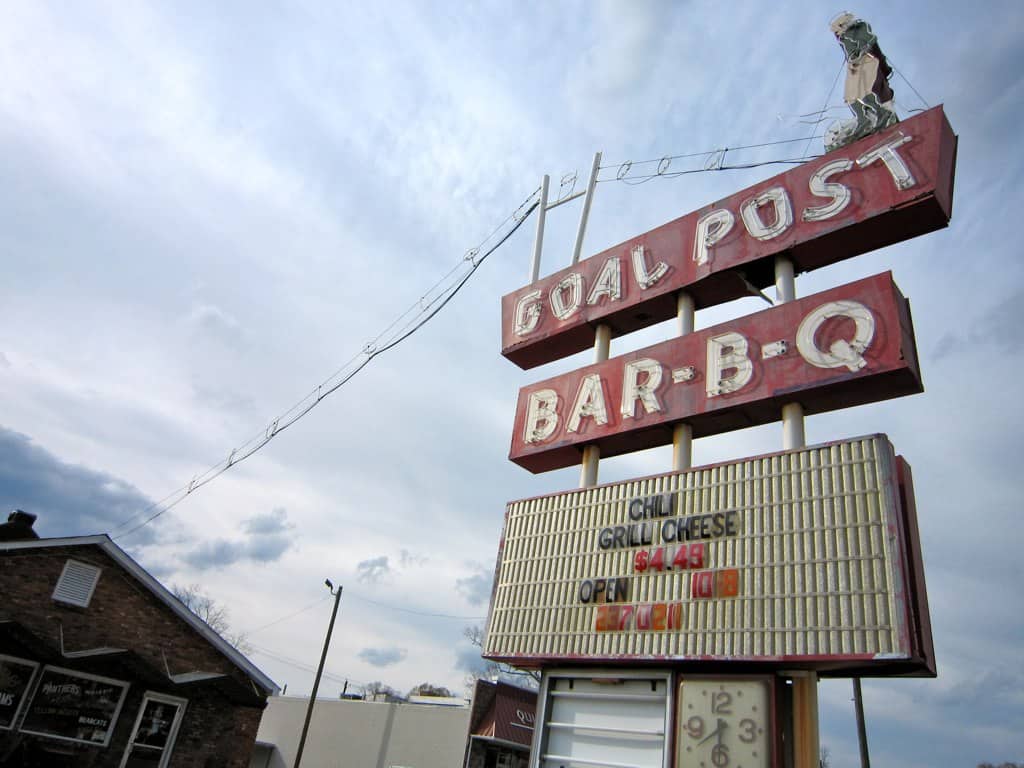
[{"x": 124, "y": 614}]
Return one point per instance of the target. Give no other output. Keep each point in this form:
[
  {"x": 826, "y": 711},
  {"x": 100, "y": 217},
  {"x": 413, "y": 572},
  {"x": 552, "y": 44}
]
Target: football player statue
[{"x": 867, "y": 90}]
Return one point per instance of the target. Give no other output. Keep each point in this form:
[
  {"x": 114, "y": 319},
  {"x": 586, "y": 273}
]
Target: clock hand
[{"x": 722, "y": 725}]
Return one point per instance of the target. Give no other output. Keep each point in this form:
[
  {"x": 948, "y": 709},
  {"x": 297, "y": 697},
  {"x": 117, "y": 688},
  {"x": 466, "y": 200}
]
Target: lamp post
[{"x": 319, "y": 671}]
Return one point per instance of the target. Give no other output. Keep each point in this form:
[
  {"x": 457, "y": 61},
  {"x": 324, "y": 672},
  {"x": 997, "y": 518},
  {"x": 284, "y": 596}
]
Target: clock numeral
[
  {"x": 695, "y": 727},
  {"x": 720, "y": 756},
  {"x": 748, "y": 731},
  {"x": 721, "y": 703}
]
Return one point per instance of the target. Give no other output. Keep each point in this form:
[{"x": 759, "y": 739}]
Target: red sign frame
[
  {"x": 881, "y": 190},
  {"x": 730, "y": 376}
]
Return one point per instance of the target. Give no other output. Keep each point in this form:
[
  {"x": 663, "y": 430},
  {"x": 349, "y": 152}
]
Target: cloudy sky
[{"x": 209, "y": 209}]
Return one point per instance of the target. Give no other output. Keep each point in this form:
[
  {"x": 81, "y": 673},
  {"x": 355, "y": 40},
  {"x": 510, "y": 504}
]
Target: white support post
[
  {"x": 785, "y": 280},
  {"x": 686, "y": 312},
  {"x": 585, "y": 213},
  {"x": 592, "y": 453},
  {"x": 793, "y": 435},
  {"x": 682, "y": 435},
  {"x": 538, "y": 240},
  {"x": 602, "y": 342}
]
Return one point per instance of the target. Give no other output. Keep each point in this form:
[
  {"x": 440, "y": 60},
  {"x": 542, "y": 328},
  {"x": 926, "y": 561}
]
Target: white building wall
[{"x": 363, "y": 734}]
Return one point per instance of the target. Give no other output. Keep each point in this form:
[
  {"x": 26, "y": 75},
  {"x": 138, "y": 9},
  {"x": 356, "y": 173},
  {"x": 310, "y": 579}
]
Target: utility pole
[
  {"x": 862, "y": 731},
  {"x": 319, "y": 671}
]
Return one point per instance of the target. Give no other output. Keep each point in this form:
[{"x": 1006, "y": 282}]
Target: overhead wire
[
  {"x": 824, "y": 108},
  {"x": 916, "y": 93},
  {"x": 419, "y": 313},
  {"x": 292, "y": 615},
  {"x": 644, "y": 178},
  {"x": 704, "y": 153},
  {"x": 335, "y": 676},
  {"x": 415, "y": 613},
  {"x": 714, "y": 161}
]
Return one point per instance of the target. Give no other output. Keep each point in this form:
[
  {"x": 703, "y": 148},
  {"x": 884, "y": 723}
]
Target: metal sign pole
[
  {"x": 682, "y": 435},
  {"x": 538, "y": 240},
  {"x": 805, "y": 686},
  {"x": 592, "y": 453},
  {"x": 585, "y": 213}
]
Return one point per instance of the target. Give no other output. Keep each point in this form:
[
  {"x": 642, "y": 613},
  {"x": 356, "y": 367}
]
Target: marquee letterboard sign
[
  {"x": 799, "y": 557},
  {"x": 843, "y": 347},
  {"x": 881, "y": 190}
]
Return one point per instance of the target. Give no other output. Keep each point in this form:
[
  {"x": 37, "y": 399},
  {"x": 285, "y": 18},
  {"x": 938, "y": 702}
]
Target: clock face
[{"x": 724, "y": 723}]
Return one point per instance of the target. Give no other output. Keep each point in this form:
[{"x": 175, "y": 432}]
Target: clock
[{"x": 725, "y": 722}]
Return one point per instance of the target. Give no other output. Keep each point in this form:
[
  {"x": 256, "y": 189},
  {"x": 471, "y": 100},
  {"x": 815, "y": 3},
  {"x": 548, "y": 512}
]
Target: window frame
[{"x": 172, "y": 735}]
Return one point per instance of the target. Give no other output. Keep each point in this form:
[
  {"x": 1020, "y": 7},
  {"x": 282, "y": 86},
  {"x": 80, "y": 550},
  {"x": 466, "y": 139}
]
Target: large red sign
[
  {"x": 843, "y": 347},
  {"x": 886, "y": 188}
]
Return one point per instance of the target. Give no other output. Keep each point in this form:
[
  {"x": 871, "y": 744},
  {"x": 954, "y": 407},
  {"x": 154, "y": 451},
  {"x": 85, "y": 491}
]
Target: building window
[
  {"x": 15, "y": 679},
  {"x": 74, "y": 706},
  {"x": 154, "y": 732},
  {"x": 77, "y": 583}
]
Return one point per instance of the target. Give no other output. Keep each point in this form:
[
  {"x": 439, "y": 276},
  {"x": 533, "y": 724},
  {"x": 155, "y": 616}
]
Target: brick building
[
  {"x": 501, "y": 726},
  {"x": 102, "y": 667}
]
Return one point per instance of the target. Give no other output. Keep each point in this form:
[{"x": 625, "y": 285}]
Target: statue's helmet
[{"x": 841, "y": 23}]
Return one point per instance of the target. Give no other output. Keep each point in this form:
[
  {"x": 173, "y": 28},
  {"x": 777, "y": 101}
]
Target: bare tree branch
[
  {"x": 495, "y": 671},
  {"x": 210, "y": 611}
]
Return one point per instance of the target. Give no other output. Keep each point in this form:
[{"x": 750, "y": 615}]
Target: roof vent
[{"x": 77, "y": 583}]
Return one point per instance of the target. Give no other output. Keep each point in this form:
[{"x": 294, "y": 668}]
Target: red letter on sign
[
  {"x": 697, "y": 555},
  {"x": 728, "y": 583},
  {"x": 640, "y": 561},
  {"x": 658, "y": 561},
  {"x": 703, "y": 584}
]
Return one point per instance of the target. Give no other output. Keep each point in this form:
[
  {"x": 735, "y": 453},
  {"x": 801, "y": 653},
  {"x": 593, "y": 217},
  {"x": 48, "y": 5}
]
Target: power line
[
  {"x": 419, "y": 314},
  {"x": 705, "y": 153},
  {"x": 285, "y": 618},
  {"x": 350, "y": 594},
  {"x": 714, "y": 160},
  {"x": 916, "y": 93},
  {"x": 824, "y": 109},
  {"x": 338, "y": 678},
  {"x": 644, "y": 178},
  {"x": 417, "y": 613}
]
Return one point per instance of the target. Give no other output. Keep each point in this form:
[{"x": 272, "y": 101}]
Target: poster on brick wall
[{"x": 75, "y": 706}]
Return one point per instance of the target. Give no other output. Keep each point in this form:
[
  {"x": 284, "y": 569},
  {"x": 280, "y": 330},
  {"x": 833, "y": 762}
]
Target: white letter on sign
[
  {"x": 541, "y": 416},
  {"x": 728, "y": 351},
  {"x": 573, "y": 285},
  {"x": 609, "y": 283},
  {"x": 821, "y": 187},
  {"x": 842, "y": 352},
  {"x": 589, "y": 403},
  {"x": 777, "y": 197},
  {"x": 646, "y": 278},
  {"x": 887, "y": 154},
  {"x": 632, "y": 390},
  {"x": 528, "y": 310},
  {"x": 711, "y": 227}
]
